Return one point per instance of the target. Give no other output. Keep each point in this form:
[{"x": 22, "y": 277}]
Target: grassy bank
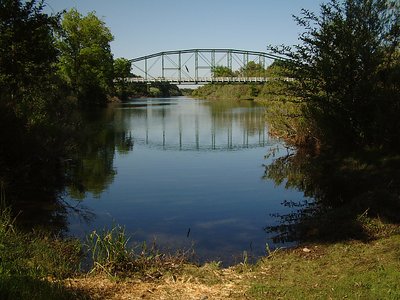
[
  {"x": 228, "y": 91},
  {"x": 351, "y": 270},
  {"x": 37, "y": 266},
  {"x": 31, "y": 264}
]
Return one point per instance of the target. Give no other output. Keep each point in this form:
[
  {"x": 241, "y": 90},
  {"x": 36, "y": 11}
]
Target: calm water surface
[{"x": 184, "y": 173}]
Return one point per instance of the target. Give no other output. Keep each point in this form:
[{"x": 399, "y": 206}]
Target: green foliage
[
  {"x": 157, "y": 89},
  {"x": 347, "y": 71},
  {"x": 276, "y": 70},
  {"x": 252, "y": 69},
  {"x": 228, "y": 91},
  {"x": 154, "y": 92},
  {"x": 122, "y": 71},
  {"x": 286, "y": 121},
  {"x": 34, "y": 112},
  {"x": 108, "y": 248},
  {"x": 122, "y": 68},
  {"x": 26, "y": 76},
  {"x": 112, "y": 255},
  {"x": 284, "y": 111},
  {"x": 27, "y": 258},
  {"x": 221, "y": 71},
  {"x": 86, "y": 62}
]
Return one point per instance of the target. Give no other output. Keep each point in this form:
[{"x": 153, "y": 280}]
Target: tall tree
[
  {"x": 86, "y": 62},
  {"x": 33, "y": 111},
  {"x": 27, "y": 57},
  {"x": 346, "y": 70}
]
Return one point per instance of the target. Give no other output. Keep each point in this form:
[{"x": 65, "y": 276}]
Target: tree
[
  {"x": 221, "y": 71},
  {"x": 122, "y": 68},
  {"x": 252, "y": 69},
  {"x": 86, "y": 62},
  {"x": 34, "y": 114},
  {"x": 26, "y": 75},
  {"x": 122, "y": 71},
  {"x": 346, "y": 70}
]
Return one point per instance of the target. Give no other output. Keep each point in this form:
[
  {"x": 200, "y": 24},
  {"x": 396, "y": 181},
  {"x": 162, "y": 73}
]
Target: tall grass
[
  {"x": 6, "y": 219},
  {"x": 108, "y": 249},
  {"x": 111, "y": 253},
  {"x": 27, "y": 260}
]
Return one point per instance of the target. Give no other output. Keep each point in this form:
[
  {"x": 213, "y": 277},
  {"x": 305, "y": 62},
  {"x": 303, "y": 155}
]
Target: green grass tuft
[{"x": 111, "y": 254}]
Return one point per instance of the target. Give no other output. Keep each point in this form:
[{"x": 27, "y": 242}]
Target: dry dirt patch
[{"x": 229, "y": 286}]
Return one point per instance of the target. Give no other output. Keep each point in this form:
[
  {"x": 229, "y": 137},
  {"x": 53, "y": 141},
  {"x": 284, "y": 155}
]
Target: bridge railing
[{"x": 206, "y": 79}]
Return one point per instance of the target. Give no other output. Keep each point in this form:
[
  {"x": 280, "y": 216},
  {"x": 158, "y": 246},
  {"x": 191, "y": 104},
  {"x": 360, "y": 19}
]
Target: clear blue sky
[{"x": 142, "y": 27}]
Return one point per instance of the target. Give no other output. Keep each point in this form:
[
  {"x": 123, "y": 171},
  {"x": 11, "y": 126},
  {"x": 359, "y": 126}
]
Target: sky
[{"x": 143, "y": 27}]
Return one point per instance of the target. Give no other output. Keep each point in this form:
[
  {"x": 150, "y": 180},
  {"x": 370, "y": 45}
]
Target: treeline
[{"x": 240, "y": 91}]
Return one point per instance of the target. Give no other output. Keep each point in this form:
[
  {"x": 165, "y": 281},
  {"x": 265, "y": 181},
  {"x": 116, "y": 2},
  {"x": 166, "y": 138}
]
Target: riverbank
[
  {"x": 229, "y": 91},
  {"x": 351, "y": 270},
  {"x": 37, "y": 266}
]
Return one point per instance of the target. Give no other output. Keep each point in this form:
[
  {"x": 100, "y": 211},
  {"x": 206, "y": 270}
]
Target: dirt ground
[{"x": 228, "y": 285}]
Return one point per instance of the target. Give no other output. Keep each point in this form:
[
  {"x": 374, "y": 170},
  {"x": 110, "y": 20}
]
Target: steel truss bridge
[{"x": 195, "y": 66}]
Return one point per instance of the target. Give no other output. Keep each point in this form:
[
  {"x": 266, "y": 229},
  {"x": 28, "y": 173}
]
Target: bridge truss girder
[{"x": 193, "y": 65}]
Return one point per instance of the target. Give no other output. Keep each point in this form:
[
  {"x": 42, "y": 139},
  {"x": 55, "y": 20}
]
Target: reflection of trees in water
[
  {"x": 344, "y": 190},
  {"x": 92, "y": 169},
  {"x": 245, "y": 113},
  {"x": 193, "y": 124},
  {"x": 31, "y": 169},
  {"x": 104, "y": 132},
  {"x": 36, "y": 196}
]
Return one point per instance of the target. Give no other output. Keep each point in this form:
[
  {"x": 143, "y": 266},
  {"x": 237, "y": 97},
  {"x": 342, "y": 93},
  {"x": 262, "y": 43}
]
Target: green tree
[
  {"x": 221, "y": 71},
  {"x": 34, "y": 113},
  {"x": 252, "y": 69},
  {"x": 122, "y": 71},
  {"x": 346, "y": 70},
  {"x": 86, "y": 62},
  {"x": 26, "y": 75},
  {"x": 122, "y": 68}
]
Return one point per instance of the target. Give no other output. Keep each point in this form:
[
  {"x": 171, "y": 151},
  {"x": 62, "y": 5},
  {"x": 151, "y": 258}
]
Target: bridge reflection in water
[{"x": 184, "y": 124}]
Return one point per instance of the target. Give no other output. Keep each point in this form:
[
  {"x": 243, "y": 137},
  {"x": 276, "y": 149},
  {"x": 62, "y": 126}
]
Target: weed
[
  {"x": 108, "y": 246},
  {"x": 111, "y": 254}
]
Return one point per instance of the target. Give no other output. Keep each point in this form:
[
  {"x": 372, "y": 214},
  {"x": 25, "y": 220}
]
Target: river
[{"x": 183, "y": 173}]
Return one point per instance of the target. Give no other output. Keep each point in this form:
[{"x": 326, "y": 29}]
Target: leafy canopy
[
  {"x": 86, "y": 62},
  {"x": 122, "y": 68}
]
